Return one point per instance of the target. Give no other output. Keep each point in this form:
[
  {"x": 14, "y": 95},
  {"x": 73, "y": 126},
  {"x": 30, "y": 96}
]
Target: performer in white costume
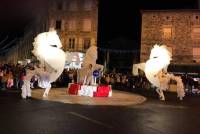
[
  {"x": 156, "y": 71},
  {"x": 26, "y": 87},
  {"x": 89, "y": 75},
  {"x": 47, "y": 49},
  {"x": 44, "y": 79},
  {"x": 85, "y": 74}
]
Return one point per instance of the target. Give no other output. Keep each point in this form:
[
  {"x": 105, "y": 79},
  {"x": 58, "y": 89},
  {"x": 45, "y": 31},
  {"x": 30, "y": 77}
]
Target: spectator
[{"x": 10, "y": 79}]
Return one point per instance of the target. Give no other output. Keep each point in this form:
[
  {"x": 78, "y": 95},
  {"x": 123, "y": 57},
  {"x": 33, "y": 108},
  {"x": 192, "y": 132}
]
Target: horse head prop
[
  {"x": 155, "y": 70},
  {"x": 47, "y": 49},
  {"x": 159, "y": 60}
]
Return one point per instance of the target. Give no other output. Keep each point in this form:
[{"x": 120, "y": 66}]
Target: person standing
[
  {"x": 89, "y": 77},
  {"x": 16, "y": 75},
  {"x": 1, "y": 76},
  {"x": 4, "y": 79},
  {"x": 10, "y": 79},
  {"x": 26, "y": 87}
]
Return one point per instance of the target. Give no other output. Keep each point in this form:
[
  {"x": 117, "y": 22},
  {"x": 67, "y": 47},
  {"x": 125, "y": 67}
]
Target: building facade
[
  {"x": 76, "y": 22},
  {"x": 179, "y": 30}
]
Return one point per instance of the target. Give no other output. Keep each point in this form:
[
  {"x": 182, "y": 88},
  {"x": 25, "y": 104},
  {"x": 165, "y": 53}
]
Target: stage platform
[{"x": 118, "y": 98}]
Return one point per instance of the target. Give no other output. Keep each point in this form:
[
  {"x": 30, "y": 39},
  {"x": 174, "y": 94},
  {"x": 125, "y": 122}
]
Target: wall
[{"x": 178, "y": 29}]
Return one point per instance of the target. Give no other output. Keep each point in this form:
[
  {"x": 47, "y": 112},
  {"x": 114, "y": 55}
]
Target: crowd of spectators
[{"x": 11, "y": 76}]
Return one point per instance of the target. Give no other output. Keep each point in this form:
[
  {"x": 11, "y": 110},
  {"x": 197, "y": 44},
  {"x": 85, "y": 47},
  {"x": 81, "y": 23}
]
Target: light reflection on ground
[{"x": 118, "y": 98}]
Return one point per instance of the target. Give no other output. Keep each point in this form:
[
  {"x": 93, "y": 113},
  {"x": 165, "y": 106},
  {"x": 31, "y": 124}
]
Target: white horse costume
[
  {"x": 85, "y": 74},
  {"x": 156, "y": 71},
  {"x": 47, "y": 49}
]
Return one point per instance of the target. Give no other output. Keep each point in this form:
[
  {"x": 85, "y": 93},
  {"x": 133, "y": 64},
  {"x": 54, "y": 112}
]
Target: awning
[{"x": 184, "y": 68}]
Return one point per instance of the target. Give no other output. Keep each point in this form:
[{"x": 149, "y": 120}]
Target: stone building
[
  {"x": 76, "y": 22},
  {"x": 179, "y": 30}
]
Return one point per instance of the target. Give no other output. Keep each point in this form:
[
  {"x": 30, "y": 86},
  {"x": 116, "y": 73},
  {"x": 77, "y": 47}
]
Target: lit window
[
  {"x": 195, "y": 32},
  {"x": 196, "y": 54},
  {"x": 72, "y": 25},
  {"x": 87, "y": 25},
  {"x": 86, "y": 43},
  {"x": 73, "y": 5},
  {"x": 167, "y": 32},
  {"x": 88, "y": 4},
  {"x": 71, "y": 43}
]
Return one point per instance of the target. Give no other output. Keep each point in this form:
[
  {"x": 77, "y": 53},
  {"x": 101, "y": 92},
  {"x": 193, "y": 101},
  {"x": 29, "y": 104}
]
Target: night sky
[
  {"x": 123, "y": 19},
  {"x": 117, "y": 18},
  {"x": 16, "y": 14}
]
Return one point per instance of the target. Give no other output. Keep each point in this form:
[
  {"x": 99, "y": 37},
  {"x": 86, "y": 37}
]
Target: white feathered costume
[
  {"x": 47, "y": 49},
  {"x": 155, "y": 70}
]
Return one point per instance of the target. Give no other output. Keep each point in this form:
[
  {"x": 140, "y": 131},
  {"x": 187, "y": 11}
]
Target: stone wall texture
[{"x": 177, "y": 29}]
